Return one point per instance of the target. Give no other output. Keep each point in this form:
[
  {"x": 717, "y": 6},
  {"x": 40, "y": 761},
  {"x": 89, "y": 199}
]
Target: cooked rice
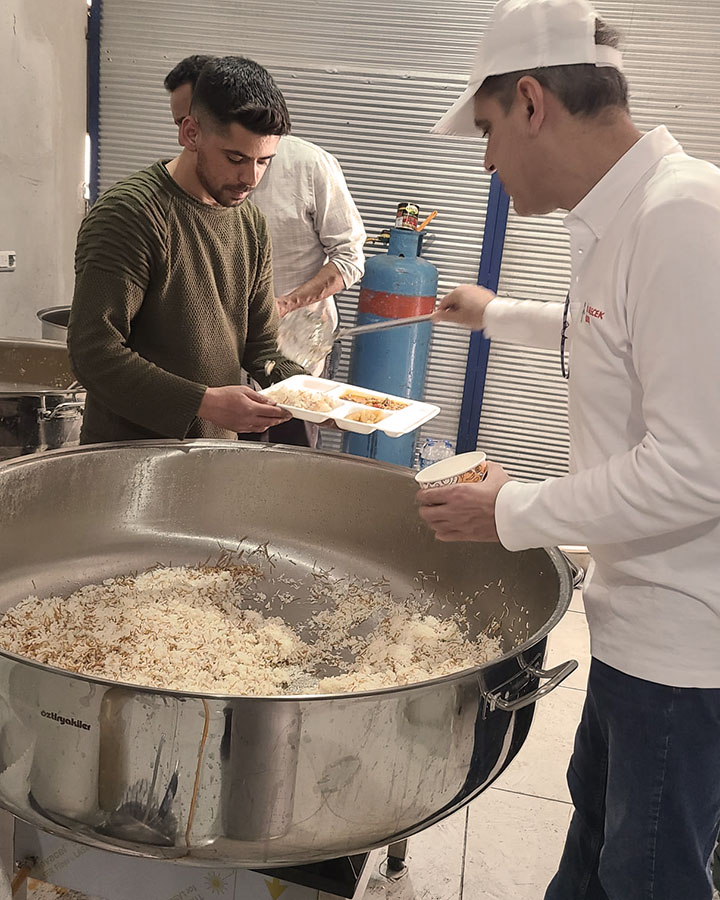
[
  {"x": 315, "y": 401},
  {"x": 190, "y": 629}
]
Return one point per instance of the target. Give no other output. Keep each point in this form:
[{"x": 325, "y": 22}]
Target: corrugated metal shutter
[
  {"x": 365, "y": 82},
  {"x": 672, "y": 61}
]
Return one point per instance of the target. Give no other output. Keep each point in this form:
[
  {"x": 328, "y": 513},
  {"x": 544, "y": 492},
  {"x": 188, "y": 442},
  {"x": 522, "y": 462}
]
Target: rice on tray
[
  {"x": 315, "y": 401},
  {"x": 189, "y": 629}
]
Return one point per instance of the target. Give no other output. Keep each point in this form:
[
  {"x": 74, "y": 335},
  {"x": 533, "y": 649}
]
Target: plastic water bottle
[{"x": 433, "y": 450}]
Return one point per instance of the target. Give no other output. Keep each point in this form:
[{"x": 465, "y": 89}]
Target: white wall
[{"x": 42, "y": 134}]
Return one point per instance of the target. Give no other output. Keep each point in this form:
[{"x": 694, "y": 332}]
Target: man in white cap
[{"x": 644, "y": 402}]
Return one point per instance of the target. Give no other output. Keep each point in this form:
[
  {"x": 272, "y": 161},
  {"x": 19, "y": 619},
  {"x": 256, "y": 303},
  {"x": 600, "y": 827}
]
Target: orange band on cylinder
[{"x": 394, "y": 306}]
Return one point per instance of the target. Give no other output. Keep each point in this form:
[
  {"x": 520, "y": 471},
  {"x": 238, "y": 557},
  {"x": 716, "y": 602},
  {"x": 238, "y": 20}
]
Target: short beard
[{"x": 202, "y": 177}]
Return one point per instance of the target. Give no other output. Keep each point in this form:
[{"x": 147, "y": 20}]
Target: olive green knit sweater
[{"x": 171, "y": 296}]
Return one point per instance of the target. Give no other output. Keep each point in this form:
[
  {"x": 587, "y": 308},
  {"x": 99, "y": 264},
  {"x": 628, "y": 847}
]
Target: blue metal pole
[
  {"x": 489, "y": 277},
  {"x": 93, "y": 95}
]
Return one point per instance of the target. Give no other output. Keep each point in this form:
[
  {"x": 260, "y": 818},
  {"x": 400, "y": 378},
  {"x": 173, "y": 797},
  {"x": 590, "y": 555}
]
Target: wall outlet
[{"x": 7, "y": 260}]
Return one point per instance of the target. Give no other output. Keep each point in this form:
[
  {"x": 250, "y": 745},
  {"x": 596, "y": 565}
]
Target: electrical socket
[{"x": 7, "y": 260}]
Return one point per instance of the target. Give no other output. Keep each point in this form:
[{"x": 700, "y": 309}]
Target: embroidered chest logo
[{"x": 591, "y": 312}]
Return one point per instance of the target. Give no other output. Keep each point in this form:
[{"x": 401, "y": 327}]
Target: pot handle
[
  {"x": 63, "y": 408},
  {"x": 555, "y": 677}
]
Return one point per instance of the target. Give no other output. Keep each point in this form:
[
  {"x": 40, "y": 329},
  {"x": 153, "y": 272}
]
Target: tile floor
[{"x": 506, "y": 844}]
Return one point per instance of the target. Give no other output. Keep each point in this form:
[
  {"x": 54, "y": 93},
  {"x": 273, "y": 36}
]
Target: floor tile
[
  {"x": 571, "y": 640},
  {"x": 434, "y": 865},
  {"x": 514, "y": 844},
  {"x": 540, "y": 766}
]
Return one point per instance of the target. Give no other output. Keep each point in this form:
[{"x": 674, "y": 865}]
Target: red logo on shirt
[{"x": 591, "y": 312}]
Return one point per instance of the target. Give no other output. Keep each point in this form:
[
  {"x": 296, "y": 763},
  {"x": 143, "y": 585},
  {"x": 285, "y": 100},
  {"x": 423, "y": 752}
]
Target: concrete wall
[{"x": 42, "y": 123}]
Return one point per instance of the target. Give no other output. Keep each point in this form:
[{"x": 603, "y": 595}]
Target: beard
[{"x": 223, "y": 194}]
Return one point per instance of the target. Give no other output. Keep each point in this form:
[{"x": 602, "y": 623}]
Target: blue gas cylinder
[{"x": 396, "y": 285}]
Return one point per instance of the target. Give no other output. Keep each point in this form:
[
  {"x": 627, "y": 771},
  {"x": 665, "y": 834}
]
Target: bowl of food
[{"x": 465, "y": 468}]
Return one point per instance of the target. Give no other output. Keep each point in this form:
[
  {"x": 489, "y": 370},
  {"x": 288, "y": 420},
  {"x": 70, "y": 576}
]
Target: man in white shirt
[
  {"x": 316, "y": 230},
  {"x": 644, "y": 405}
]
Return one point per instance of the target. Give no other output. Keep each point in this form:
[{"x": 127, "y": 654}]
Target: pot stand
[{"x": 114, "y": 876}]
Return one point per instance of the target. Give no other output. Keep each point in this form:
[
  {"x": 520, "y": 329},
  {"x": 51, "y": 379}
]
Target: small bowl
[{"x": 466, "y": 468}]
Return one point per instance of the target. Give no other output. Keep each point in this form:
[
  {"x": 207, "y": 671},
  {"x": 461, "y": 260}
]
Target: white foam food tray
[{"x": 352, "y": 402}]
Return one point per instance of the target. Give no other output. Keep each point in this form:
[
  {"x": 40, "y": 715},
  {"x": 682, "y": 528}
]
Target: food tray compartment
[
  {"x": 305, "y": 383},
  {"x": 313, "y": 385},
  {"x": 348, "y": 421},
  {"x": 406, "y": 420},
  {"x": 371, "y": 399},
  {"x": 412, "y": 415}
]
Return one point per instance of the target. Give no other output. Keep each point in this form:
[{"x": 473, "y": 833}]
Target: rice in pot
[{"x": 194, "y": 629}]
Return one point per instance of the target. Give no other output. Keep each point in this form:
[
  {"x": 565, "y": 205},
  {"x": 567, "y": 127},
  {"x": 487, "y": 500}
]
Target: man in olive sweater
[{"x": 173, "y": 288}]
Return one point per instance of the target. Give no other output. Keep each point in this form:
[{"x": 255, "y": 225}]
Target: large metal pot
[
  {"x": 41, "y": 404},
  {"x": 255, "y": 781},
  {"x": 54, "y": 322}
]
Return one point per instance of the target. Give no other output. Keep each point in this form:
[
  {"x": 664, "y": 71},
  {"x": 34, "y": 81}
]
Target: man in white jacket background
[{"x": 642, "y": 325}]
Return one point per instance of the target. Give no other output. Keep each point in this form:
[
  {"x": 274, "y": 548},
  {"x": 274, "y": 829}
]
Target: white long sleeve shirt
[
  {"x": 644, "y": 407},
  {"x": 312, "y": 218}
]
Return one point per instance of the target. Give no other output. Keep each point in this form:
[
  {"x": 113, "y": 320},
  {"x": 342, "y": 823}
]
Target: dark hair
[
  {"x": 186, "y": 71},
  {"x": 236, "y": 89},
  {"x": 584, "y": 89}
]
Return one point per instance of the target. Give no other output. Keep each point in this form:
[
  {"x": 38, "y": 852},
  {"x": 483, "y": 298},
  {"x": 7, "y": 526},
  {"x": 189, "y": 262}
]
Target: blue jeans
[{"x": 645, "y": 782}]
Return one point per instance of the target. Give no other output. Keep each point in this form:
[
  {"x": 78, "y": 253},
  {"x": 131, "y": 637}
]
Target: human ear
[
  {"x": 189, "y": 132},
  {"x": 532, "y": 97}
]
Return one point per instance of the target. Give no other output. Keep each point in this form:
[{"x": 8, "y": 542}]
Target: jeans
[{"x": 645, "y": 782}]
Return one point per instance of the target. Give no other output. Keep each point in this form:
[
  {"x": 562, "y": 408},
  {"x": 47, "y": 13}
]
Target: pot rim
[
  {"x": 41, "y": 312},
  {"x": 50, "y": 392},
  {"x": 555, "y": 555},
  {"x": 42, "y": 342}
]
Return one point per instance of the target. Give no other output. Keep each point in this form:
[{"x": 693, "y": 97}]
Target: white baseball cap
[{"x": 529, "y": 34}]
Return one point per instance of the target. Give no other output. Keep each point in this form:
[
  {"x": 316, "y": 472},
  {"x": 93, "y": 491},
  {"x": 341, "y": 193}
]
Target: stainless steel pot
[
  {"x": 54, "y": 322},
  {"x": 41, "y": 405},
  {"x": 253, "y": 781}
]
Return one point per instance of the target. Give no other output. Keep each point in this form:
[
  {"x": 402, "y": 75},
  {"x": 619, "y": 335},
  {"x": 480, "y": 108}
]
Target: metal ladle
[{"x": 307, "y": 338}]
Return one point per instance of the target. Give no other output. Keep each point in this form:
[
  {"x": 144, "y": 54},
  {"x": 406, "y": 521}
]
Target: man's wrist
[
  {"x": 485, "y": 316},
  {"x": 298, "y": 301},
  {"x": 207, "y": 404}
]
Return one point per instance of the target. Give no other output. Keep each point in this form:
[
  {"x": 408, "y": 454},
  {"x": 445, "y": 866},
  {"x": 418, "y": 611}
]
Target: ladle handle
[
  {"x": 555, "y": 677},
  {"x": 381, "y": 326}
]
